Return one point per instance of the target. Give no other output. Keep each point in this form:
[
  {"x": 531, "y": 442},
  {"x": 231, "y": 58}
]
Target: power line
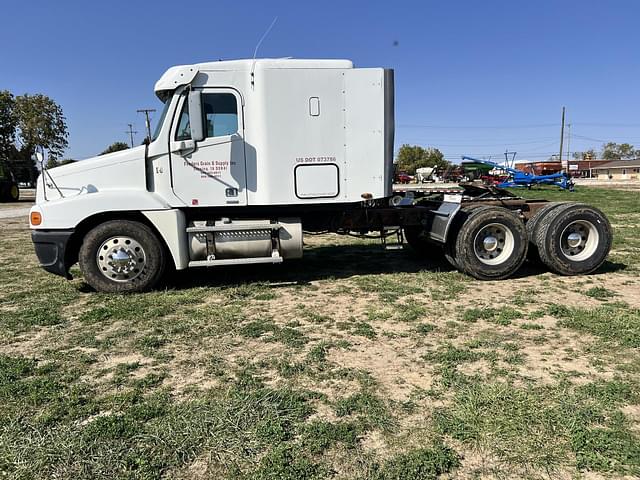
[
  {"x": 505, "y": 142},
  {"x": 511, "y": 126},
  {"x": 543, "y": 146},
  {"x": 607, "y": 124},
  {"x": 541, "y": 125},
  {"x": 500, "y": 154},
  {"x": 589, "y": 138}
]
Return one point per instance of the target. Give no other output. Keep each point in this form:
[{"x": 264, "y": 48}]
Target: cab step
[
  {"x": 235, "y": 227},
  {"x": 235, "y": 261},
  {"x": 396, "y": 243}
]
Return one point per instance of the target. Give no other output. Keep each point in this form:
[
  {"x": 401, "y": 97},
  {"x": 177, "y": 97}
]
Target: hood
[{"x": 119, "y": 170}]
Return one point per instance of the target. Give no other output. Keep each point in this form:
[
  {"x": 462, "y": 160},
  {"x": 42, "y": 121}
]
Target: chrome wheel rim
[
  {"x": 121, "y": 259},
  {"x": 579, "y": 240},
  {"x": 494, "y": 244}
]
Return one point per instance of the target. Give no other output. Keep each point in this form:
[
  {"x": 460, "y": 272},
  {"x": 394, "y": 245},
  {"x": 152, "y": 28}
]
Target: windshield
[{"x": 161, "y": 119}]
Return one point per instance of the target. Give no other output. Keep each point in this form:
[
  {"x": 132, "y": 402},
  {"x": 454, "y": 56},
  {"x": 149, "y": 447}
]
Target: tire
[
  {"x": 414, "y": 235},
  {"x": 489, "y": 244},
  {"x": 14, "y": 193},
  {"x": 532, "y": 228},
  {"x": 141, "y": 257},
  {"x": 450, "y": 244},
  {"x": 574, "y": 239},
  {"x": 450, "y": 255}
]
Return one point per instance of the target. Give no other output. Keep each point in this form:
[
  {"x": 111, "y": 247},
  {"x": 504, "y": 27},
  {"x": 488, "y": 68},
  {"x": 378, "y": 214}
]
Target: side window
[
  {"x": 184, "y": 129},
  {"x": 220, "y": 112}
]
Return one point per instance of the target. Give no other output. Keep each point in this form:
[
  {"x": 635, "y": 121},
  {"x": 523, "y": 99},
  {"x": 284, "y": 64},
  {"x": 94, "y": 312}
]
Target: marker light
[{"x": 36, "y": 218}]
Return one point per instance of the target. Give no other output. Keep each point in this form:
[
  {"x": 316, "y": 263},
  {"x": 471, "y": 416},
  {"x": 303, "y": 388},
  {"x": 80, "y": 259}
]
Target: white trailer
[{"x": 248, "y": 154}]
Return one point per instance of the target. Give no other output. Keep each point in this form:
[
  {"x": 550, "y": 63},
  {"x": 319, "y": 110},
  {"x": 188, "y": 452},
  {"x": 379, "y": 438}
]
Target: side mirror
[{"x": 195, "y": 116}]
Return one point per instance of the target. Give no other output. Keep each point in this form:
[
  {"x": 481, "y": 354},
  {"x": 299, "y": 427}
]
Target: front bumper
[{"x": 51, "y": 247}]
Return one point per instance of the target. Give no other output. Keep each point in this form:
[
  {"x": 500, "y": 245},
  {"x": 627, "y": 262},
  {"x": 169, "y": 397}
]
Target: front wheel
[
  {"x": 122, "y": 256},
  {"x": 490, "y": 243}
]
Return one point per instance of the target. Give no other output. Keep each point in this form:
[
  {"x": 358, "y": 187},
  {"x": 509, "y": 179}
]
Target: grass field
[{"x": 352, "y": 363}]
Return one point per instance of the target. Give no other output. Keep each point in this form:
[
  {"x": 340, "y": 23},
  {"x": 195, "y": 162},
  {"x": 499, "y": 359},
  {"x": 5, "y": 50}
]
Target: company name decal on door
[{"x": 210, "y": 169}]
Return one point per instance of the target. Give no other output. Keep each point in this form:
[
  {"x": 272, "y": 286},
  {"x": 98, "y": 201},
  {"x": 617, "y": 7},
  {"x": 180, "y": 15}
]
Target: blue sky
[{"x": 474, "y": 77}]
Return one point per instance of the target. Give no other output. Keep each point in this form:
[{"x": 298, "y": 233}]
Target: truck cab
[{"x": 243, "y": 153}]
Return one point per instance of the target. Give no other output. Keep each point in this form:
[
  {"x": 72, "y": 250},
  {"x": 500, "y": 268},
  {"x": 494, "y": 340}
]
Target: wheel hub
[
  {"x": 121, "y": 259},
  {"x": 574, "y": 239},
  {"x": 490, "y": 243},
  {"x": 494, "y": 244},
  {"x": 579, "y": 240}
]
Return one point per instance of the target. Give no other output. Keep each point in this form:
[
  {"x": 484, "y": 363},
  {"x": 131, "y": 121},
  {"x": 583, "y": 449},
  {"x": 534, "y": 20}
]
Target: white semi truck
[{"x": 249, "y": 154}]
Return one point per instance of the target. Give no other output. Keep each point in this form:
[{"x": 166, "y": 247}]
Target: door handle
[{"x": 183, "y": 146}]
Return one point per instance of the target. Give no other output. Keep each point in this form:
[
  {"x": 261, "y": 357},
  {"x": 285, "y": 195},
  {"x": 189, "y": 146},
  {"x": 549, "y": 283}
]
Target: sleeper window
[{"x": 220, "y": 112}]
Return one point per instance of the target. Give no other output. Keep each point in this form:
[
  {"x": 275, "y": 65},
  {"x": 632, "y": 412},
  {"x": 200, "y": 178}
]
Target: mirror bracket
[{"x": 196, "y": 118}]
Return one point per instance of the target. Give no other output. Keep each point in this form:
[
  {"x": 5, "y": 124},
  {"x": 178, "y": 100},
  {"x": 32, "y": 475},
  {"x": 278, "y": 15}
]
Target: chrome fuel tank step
[{"x": 229, "y": 241}]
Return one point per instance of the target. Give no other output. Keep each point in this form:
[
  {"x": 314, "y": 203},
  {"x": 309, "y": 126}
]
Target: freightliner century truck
[{"x": 249, "y": 154}]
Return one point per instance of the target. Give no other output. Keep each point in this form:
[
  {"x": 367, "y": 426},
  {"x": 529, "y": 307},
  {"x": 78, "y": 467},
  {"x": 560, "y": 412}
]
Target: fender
[
  {"x": 66, "y": 213},
  {"x": 171, "y": 224}
]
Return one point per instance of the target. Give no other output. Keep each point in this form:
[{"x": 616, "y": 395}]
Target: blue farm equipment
[{"x": 519, "y": 178}]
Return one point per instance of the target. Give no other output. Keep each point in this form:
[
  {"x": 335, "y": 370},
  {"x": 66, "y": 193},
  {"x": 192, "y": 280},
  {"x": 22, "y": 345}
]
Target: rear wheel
[
  {"x": 574, "y": 239},
  {"x": 532, "y": 229},
  {"x": 450, "y": 245},
  {"x": 490, "y": 243},
  {"x": 122, "y": 256},
  {"x": 415, "y": 237}
]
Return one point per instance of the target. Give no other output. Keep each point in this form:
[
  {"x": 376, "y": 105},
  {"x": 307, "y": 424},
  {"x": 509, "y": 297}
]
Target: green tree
[
  {"x": 619, "y": 151},
  {"x": 591, "y": 153},
  {"x": 41, "y": 123},
  {"x": 115, "y": 147},
  {"x": 53, "y": 163},
  {"x": 26, "y": 123},
  {"x": 8, "y": 124},
  {"x": 411, "y": 157}
]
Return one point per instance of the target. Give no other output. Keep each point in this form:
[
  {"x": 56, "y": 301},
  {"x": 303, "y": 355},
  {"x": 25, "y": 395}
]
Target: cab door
[{"x": 211, "y": 172}]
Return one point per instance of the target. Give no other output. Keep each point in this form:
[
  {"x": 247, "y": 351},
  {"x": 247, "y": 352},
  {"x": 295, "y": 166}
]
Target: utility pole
[
  {"x": 568, "y": 142},
  {"x": 561, "y": 137},
  {"x": 131, "y": 131},
  {"x": 146, "y": 112}
]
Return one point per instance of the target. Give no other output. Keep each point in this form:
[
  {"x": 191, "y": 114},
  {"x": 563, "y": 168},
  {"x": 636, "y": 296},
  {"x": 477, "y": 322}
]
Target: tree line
[
  {"x": 34, "y": 122},
  {"x": 411, "y": 157},
  {"x": 610, "y": 151}
]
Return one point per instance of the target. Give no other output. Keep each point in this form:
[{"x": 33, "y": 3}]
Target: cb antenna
[{"x": 255, "y": 52}]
